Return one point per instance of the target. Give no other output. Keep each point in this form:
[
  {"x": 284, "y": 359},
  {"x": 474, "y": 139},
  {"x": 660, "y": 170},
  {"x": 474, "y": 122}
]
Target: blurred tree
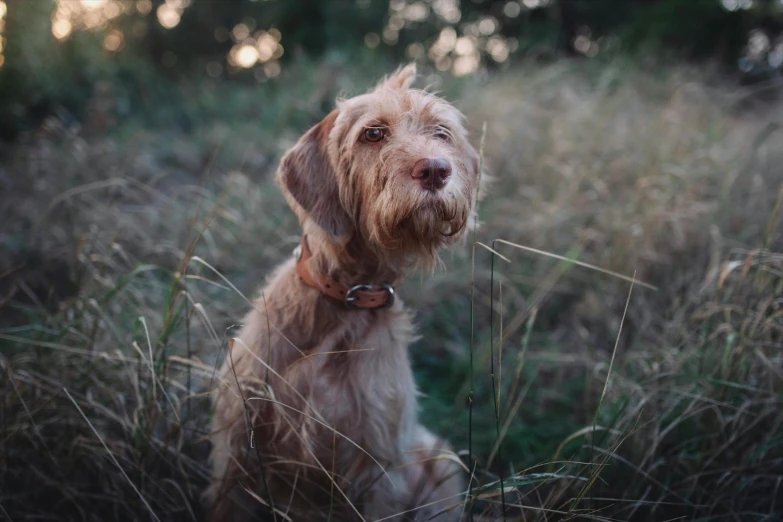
[{"x": 57, "y": 51}]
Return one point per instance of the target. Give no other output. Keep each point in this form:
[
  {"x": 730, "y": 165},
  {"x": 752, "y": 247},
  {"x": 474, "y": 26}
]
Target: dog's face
[{"x": 393, "y": 165}]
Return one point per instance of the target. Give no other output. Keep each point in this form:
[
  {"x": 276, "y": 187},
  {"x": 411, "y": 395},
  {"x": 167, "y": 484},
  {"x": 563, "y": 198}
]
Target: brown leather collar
[{"x": 357, "y": 296}]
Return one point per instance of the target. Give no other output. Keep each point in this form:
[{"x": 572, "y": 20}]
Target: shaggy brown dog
[{"x": 316, "y": 412}]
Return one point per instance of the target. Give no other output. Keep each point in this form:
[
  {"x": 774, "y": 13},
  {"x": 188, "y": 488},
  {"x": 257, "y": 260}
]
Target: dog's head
[{"x": 393, "y": 165}]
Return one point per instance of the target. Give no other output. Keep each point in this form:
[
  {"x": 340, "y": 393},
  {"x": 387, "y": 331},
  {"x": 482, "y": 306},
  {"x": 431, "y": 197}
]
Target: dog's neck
[{"x": 353, "y": 262}]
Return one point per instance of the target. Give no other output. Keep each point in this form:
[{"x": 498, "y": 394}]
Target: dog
[{"x": 315, "y": 415}]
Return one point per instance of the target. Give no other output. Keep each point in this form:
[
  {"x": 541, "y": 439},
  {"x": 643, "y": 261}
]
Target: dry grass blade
[
  {"x": 616, "y": 344},
  {"x": 111, "y": 455},
  {"x": 493, "y": 251},
  {"x": 646, "y": 475},
  {"x": 569, "y": 516},
  {"x": 395, "y": 515},
  {"x": 579, "y": 263},
  {"x": 264, "y": 503},
  {"x": 596, "y": 475},
  {"x": 5, "y": 513},
  {"x": 248, "y": 301},
  {"x": 320, "y": 418},
  {"x": 577, "y": 434},
  {"x": 500, "y": 351},
  {"x": 510, "y": 416},
  {"x": 472, "y": 305},
  {"x": 155, "y": 379},
  {"x": 325, "y": 425}
]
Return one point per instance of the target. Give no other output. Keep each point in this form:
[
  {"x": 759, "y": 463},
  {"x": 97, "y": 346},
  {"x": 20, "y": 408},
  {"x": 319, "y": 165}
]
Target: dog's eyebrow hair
[
  {"x": 446, "y": 129},
  {"x": 429, "y": 104},
  {"x": 376, "y": 122}
]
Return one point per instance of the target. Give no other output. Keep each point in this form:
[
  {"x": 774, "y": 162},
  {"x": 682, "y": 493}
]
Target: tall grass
[{"x": 671, "y": 408}]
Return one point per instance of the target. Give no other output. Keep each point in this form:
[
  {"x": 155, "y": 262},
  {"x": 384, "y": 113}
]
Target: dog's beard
[{"x": 417, "y": 224}]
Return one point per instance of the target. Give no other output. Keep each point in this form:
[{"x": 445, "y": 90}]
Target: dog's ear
[
  {"x": 402, "y": 78},
  {"x": 309, "y": 182}
]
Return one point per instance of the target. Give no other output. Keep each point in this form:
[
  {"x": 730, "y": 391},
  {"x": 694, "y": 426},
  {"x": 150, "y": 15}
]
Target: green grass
[{"x": 109, "y": 336}]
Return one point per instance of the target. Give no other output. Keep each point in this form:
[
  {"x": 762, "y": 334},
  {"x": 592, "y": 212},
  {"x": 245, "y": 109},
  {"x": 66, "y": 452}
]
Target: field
[{"x": 620, "y": 359}]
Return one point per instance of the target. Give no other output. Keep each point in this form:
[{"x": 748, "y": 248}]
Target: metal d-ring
[
  {"x": 350, "y": 298},
  {"x": 390, "y": 301}
]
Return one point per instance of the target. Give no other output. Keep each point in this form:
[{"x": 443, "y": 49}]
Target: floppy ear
[
  {"x": 309, "y": 182},
  {"x": 402, "y": 78}
]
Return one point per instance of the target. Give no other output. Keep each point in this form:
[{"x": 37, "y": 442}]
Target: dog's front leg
[{"x": 434, "y": 479}]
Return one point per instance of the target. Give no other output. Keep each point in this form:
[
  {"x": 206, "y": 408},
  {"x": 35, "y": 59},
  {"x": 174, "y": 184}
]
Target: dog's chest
[{"x": 366, "y": 388}]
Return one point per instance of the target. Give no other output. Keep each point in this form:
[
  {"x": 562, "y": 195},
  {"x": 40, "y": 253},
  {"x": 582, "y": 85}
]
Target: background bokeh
[
  {"x": 138, "y": 145},
  {"x": 56, "y": 53}
]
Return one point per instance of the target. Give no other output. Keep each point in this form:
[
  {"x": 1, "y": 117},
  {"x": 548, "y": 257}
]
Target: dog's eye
[
  {"x": 374, "y": 134},
  {"x": 441, "y": 133}
]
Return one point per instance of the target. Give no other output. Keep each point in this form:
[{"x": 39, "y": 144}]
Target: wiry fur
[{"x": 316, "y": 409}]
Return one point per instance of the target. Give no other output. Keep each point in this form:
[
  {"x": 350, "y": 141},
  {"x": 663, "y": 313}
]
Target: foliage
[
  {"x": 669, "y": 410},
  {"x": 141, "y": 61}
]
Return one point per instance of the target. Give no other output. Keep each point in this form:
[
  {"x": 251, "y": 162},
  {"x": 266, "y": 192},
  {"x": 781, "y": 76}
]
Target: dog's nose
[{"x": 432, "y": 173}]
